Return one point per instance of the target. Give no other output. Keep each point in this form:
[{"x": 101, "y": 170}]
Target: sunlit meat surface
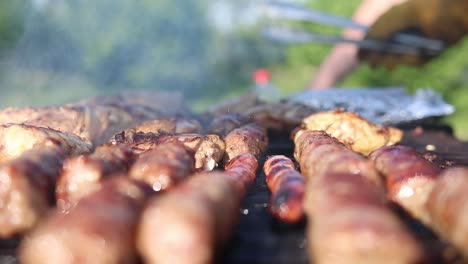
[
  {"x": 15, "y": 139},
  {"x": 99, "y": 229},
  {"x": 250, "y": 138},
  {"x": 26, "y": 188},
  {"x": 164, "y": 166},
  {"x": 409, "y": 177},
  {"x": 84, "y": 174},
  {"x": 191, "y": 222},
  {"x": 348, "y": 219},
  {"x": 353, "y": 130}
]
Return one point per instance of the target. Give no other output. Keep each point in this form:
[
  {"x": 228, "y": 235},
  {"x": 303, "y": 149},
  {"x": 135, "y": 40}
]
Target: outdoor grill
[{"x": 259, "y": 238}]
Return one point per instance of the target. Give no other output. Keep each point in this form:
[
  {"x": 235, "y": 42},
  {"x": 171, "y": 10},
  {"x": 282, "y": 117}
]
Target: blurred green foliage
[
  {"x": 447, "y": 74},
  {"x": 74, "y": 49}
]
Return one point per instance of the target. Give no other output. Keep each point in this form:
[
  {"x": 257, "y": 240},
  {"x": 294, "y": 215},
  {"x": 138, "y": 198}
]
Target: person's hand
[{"x": 446, "y": 20}]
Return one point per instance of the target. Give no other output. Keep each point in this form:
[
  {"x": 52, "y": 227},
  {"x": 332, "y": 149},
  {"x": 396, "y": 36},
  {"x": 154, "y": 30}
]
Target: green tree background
[{"x": 68, "y": 50}]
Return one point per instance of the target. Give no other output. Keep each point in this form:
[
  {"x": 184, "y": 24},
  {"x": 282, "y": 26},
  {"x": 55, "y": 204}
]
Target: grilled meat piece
[
  {"x": 99, "y": 229},
  {"x": 209, "y": 149},
  {"x": 93, "y": 124},
  {"x": 349, "y": 221},
  {"x": 409, "y": 177},
  {"x": 172, "y": 125},
  {"x": 448, "y": 206},
  {"x": 83, "y": 174},
  {"x": 164, "y": 166},
  {"x": 223, "y": 124},
  {"x": 251, "y": 138},
  {"x": 97, "y": 119},
  {"x": 188, "y": 223},
  {"x": 286, "y": 185},
  {"x": 15, "y": 139},
  {"x": 353, "y": 130},
  {"x": 26, "y": 188}
]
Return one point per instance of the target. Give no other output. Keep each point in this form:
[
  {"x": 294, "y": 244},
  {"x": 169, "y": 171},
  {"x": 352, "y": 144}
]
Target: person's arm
[{"x": 343, "y": 58}]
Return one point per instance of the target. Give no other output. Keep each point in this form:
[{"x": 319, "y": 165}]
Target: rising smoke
[{"x": 74, "y": 49}]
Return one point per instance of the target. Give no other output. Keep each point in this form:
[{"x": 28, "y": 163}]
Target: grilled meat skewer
[
  {"x": 171, "y": 125},
  {"x": 99, "y": 229},
  {"x": 83, "y": 174},
  {"x": 188, "y": 223},
  {"x": 287, "y": 186},
  {"x": 251, "y": 138},
  {"x": 164, "y": 166}
]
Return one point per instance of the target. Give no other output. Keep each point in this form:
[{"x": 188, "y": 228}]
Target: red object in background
[{"x": 261, "y": 76}]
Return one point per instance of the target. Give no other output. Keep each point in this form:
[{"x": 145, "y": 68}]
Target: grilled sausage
[
  {"x": 164, "y": 166},
  {"x": 209, "y": 149},
  {"x": 18, "y": 138},
  {"x": 409, "y": 177},
  {"x": 251, "y": 138},
  {"x": 26, "y": 188},
  {"x": 99, "y": 229},
  {"x": 286, "y": 185},
  {"x": 188, "y": 223},
  {"x": 349, "y": 221},
  {"x": 447, "y": 205},
  {"x": 83, "y": 174}
]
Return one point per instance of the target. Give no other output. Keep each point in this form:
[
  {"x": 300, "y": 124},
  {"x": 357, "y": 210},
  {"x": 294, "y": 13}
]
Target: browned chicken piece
[
  {"x": 172, "y": 125},
  {"x": 164, "y": 166},
  {"x": 27, "y": 187},
  {"x": 448, "y": 207},
  {"x": 223, "y": 124},
  {"x": 287, "y": 188},
  {"x": 251, "y": 138},
  {"x": 353, "y": 130},
  {"x": 348, "y": 218},
  {"x": 84, "y": 174},
  {"x": 209, "y": 149},
  {"x": 99, "y": 229},
  {"x": 95, "y": 125},
  {"x": 193, "y": 220},
  {"x": 409, "y": 178},
  {"x": 97, "y": 119},
  {"x": 15, "y": 139}
]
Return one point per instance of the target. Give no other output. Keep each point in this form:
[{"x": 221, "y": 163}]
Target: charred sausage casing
[
  {"x": 286, "y": 185},
  {"x": 409, "y": 177},
  {"x": 26, "y": 188},
  {"x": 99, "y": 229},
  {"x": 190, "y": 222},
  {"x": 164, "y": 166},
  {"x": 251, "y": 138},
  {"x": 83, "y": 174}
]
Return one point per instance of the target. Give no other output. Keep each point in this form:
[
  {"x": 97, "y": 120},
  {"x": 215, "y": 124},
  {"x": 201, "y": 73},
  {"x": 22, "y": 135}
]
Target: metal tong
[{"x": 401, "y": 43}]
